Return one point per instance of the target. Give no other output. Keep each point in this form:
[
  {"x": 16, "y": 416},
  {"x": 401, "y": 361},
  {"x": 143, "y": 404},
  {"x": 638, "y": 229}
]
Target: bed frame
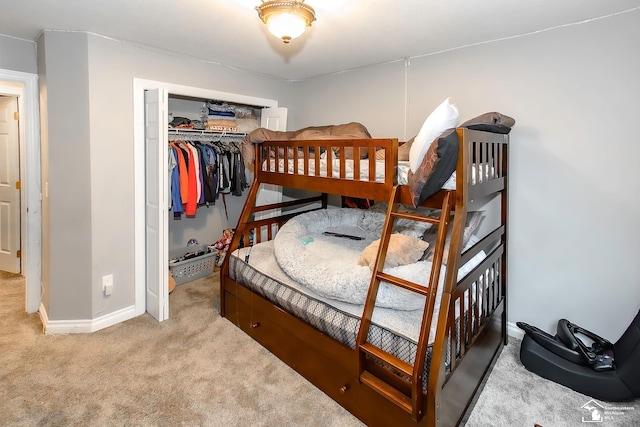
[{"x": 373, "y": 385}]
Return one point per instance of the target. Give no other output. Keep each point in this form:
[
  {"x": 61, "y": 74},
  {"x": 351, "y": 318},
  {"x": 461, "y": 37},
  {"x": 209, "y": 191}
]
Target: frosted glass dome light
[
  {"x": 287, "y": 26},
  {"x": 286, "y": 20}
]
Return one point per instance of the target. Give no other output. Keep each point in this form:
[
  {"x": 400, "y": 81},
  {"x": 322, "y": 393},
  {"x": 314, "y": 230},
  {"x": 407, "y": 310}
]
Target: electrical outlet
[{"x": 107, "y": 284}]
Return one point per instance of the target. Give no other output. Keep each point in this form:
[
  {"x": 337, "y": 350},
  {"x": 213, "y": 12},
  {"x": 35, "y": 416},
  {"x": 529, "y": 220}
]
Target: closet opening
[
  {"x": 212, "y": 132},
  {"x": 196, "y": 121}
]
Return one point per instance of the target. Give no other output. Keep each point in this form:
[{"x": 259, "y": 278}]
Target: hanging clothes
[
  {"x": 182, "y": 171},
  {"x": 174, "y": 187},
  {"x": 201, "y": 171},
  {"x": 241, "y": 179},
  {"x": 207, "y": 162},
  {"x": 173, "y": 163},
  {"x": 192, "y": 197}
]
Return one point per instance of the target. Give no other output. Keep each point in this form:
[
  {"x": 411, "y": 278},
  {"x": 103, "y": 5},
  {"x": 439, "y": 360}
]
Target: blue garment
[
  {"x": 175, "y": 189},
  {"x": 211, "y": 175}
]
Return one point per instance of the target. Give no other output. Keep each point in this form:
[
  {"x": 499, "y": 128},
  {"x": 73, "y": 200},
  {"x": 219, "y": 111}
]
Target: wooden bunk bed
[{"x": 437, "y": 386}]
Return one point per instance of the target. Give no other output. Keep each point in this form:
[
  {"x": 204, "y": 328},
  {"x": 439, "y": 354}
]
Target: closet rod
[{"x": 203, "y": 135}]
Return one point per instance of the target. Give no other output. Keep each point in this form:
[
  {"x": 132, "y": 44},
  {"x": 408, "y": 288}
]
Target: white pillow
[{"x": 444, "y": 117}]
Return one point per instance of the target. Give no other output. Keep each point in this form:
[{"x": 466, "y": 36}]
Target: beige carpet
[
  {"x": 197, "y": 369},
  {"x": 514, "y": 397},
  {"x": 194, "y": 369}
]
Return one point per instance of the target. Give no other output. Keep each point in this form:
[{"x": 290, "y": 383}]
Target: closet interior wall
[{"x": 210, "y": 220}]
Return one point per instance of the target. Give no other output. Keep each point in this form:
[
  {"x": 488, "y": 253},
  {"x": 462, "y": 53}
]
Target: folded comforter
[{"x": 351, "y": 130}]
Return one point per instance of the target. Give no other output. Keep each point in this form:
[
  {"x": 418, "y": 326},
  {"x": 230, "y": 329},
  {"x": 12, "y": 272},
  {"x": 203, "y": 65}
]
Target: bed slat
[{"x": 387, "y": 391}]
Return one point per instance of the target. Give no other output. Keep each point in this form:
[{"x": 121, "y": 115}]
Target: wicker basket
[{"x": 194, "y": 268}]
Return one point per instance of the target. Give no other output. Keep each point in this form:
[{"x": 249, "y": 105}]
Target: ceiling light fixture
[{"x": 286, "y": 19}]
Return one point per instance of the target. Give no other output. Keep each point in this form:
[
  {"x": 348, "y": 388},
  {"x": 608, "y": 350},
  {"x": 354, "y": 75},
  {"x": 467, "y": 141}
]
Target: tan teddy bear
[{"x": 402, "y": 250}]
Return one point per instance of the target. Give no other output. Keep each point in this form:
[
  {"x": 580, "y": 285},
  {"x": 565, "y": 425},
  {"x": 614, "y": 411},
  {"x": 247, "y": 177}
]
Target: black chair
[{"x": 604, "y": 371}]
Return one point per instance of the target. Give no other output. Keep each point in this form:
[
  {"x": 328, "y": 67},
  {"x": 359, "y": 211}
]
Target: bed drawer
[
  {"x": 234, "y": 289},
  {"x": 323, "y": 361},
  {"x": 267, "y": 323}
]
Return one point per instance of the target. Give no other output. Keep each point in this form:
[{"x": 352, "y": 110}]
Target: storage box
[{"x": 192, "y": 268}]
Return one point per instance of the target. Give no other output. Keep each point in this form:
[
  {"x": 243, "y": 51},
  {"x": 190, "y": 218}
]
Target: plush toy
[
  {"x": 402, "y": 250},
  {"x": 172, "y": 282},
  {"x": 222, "y": 245}
]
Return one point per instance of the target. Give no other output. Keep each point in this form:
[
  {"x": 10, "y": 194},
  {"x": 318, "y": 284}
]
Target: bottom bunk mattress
[{"x": 394, "y": 330}]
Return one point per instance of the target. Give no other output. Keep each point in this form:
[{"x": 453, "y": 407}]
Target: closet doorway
[{"x": 151, "y": 182}]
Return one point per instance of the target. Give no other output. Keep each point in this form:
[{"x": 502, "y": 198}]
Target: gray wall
[
  {"x": 18, "y": 55},
  {"x": 574, "y": 212},
  {"x": 373, "y": 96},
  {"x": 66, "y": 175},
  {"x": 88, "y": 85}
]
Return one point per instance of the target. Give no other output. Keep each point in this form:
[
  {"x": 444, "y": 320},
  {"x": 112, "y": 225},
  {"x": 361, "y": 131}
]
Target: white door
[
  {"x": 9, "y": 187},
  {"x": 156, "y": 236},
  {"x": 273, "y": 119}
]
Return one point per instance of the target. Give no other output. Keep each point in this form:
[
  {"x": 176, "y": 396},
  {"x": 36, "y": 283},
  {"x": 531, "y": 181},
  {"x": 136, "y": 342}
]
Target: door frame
[
  {"x": 139, "y": 86},
  {"x": 25, "y": 87}
]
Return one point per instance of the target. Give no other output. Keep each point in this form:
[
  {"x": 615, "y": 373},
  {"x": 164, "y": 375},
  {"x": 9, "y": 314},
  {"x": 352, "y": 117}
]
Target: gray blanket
[{"x": 328, "y": 265}]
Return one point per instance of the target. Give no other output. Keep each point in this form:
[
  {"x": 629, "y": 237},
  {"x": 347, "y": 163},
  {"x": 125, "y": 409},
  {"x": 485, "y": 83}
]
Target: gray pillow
[
  {"x": 374, "y": 224},
  {"x": 473, "y": 222}
]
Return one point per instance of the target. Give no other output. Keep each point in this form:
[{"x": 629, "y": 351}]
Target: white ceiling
[{"x": 347, "y": 34}]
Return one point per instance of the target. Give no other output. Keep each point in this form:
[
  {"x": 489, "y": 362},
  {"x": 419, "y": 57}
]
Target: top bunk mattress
[{"x": 402, "y": 171}]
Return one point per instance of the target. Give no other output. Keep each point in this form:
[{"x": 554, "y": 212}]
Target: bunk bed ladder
[{"x": 392, "y": 377}]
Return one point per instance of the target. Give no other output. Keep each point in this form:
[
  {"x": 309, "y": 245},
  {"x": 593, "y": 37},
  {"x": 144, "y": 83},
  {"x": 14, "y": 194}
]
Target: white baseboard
[
  {"x": 81, "y": 326},
  {"x": 92, "y": 325},
  {"x": 514, "y": 332}
]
